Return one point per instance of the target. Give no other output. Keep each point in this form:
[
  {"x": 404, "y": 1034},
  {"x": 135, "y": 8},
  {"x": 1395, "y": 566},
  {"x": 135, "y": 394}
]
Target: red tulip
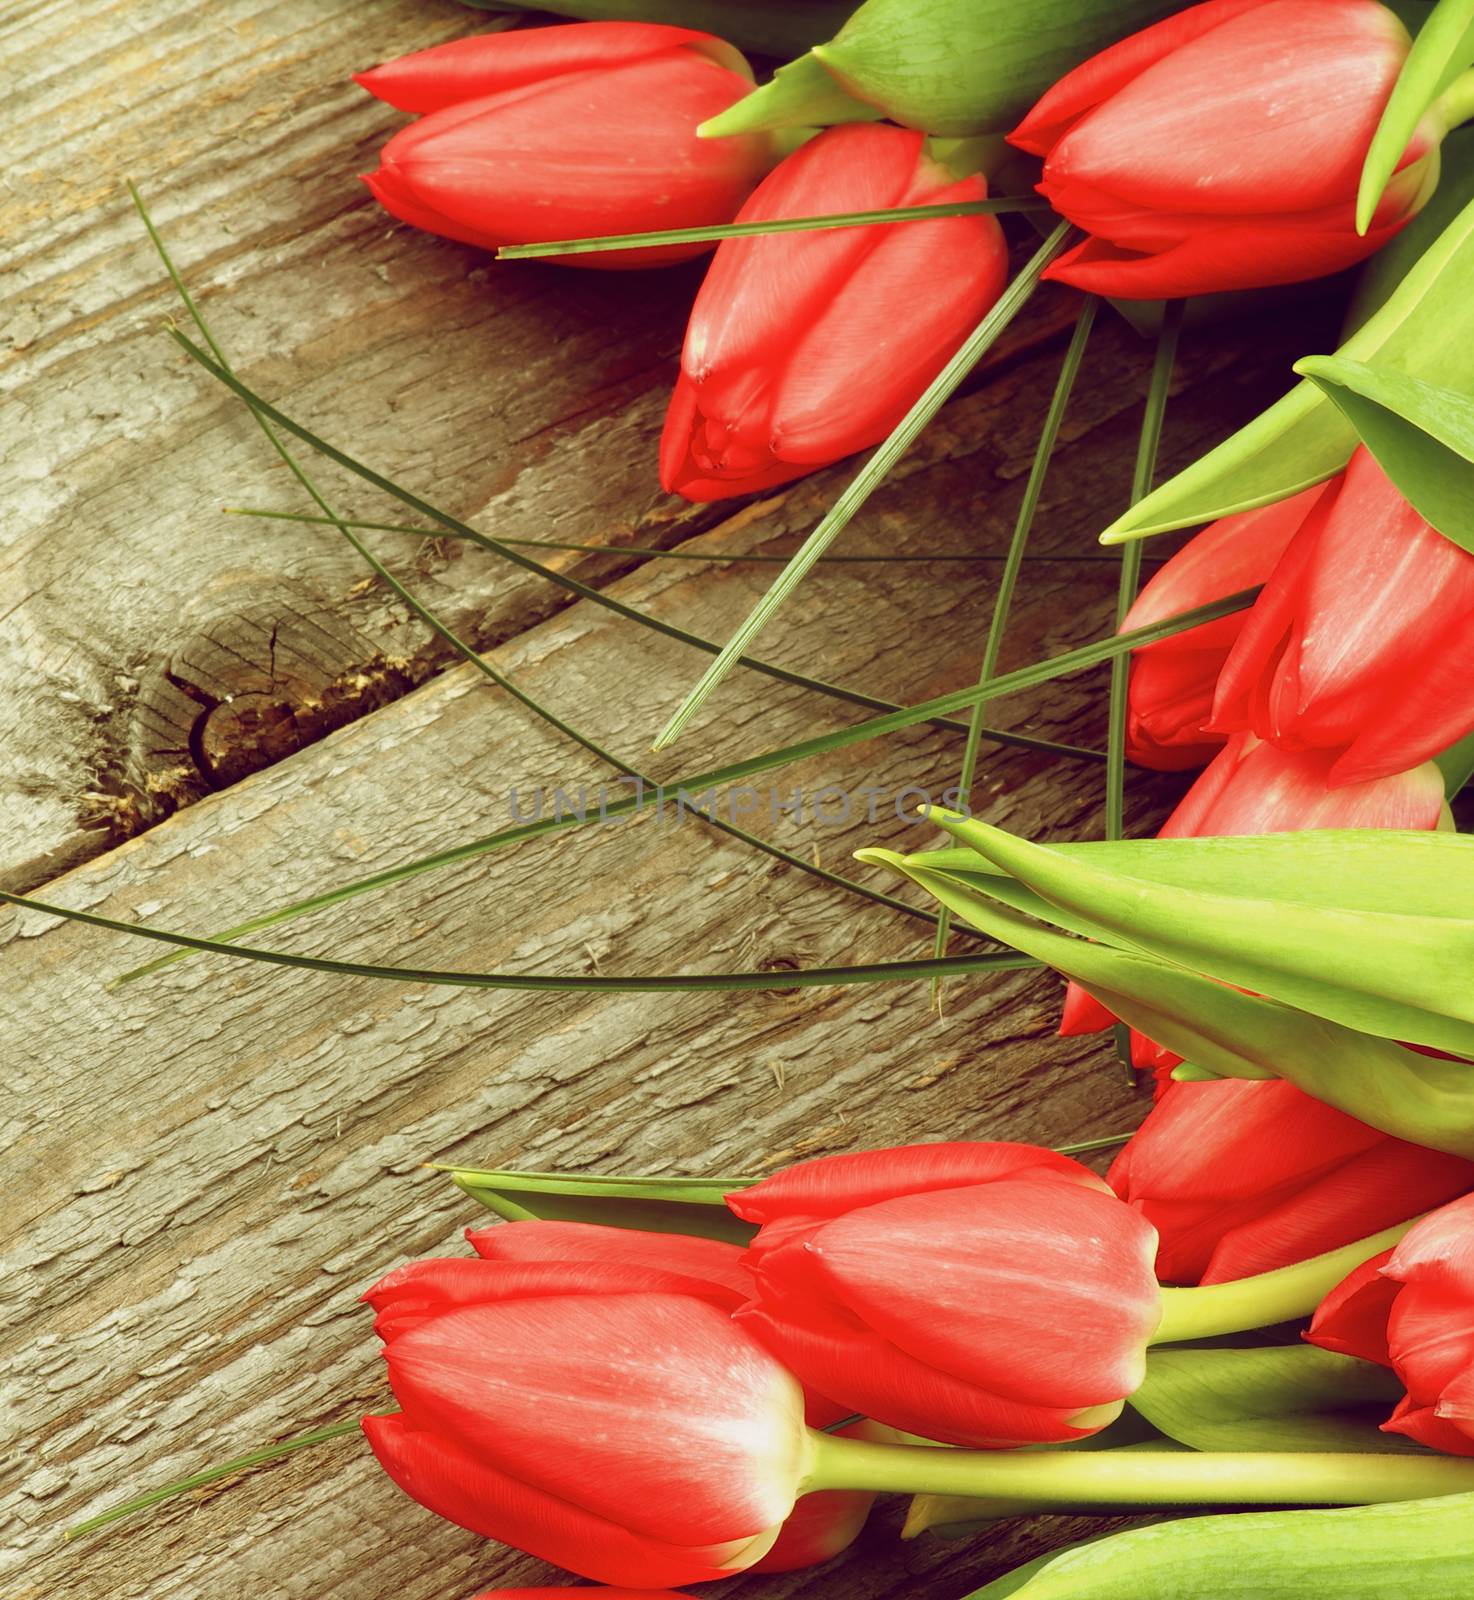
[
  {"x": 1361, "y": 646},
  {"x": 567, "y": 132},
  {"x": 987, "y": 1294},
  {"x": 690, "y": 1437},
  {"x": 1222, "y": 148},
  {"x": 804, "y": 347},
  {"x": 1172, "y": 681},
  {"x": 820, "y": 1525},
  {"x": 1240, "y": 1177},
  {"x": 1412, "y": 1309}
]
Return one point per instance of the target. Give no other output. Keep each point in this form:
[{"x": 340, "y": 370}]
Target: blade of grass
[
  {"x": 869, "y": 478},
  {"x": 749, "y": 230},
  {"x": 1141, "y": 483},
  {"x": 465, "y": 651},
  {"x": 639, "y": 983},
  {"x": 1028, "y": 507},
  {"x": 563, "y": 580},
  {"x": 202, "y": 1480},
  {"x": 697, "y": 784},
  {"x": 654, "y": 553}
]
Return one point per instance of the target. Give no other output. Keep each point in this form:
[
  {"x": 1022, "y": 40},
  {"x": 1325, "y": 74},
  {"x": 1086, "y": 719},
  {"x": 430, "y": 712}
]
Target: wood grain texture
[{"x": 205, "y": 1169}]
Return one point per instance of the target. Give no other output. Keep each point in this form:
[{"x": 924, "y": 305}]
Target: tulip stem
[
  {"x": 1270, "y": 1297},
  {"x": 1128, "y": 1479}
]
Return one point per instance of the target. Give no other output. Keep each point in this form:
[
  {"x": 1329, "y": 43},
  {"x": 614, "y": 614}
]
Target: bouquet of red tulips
[{"x": 1267, "y": 1301}]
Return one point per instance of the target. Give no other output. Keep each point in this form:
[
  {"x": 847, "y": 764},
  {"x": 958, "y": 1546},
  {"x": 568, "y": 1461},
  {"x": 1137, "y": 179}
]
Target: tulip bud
[
  {"x": 1222, "y": 148},
  {"x": 1172, "y": 681},
  {"x": 984, "y": 1294},
  {"x": 1240, "y": 1177},
  {"x": 821, "y": 1524},
  {"x": 691, "y": 1440},
  {"x": 774, "y": 385},
  {"x": 567, "y": 132},
  {"x": 1361, "y": 647},
  {"x": 1412, "y": 1309}
]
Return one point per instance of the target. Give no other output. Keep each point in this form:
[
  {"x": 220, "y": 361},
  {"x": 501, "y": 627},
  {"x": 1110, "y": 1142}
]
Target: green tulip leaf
[
  {"x": 1356, "y": 869},
  {"x": 1277, "y": 1397},
  {"x": 947, "y": 67},
  {"x": 1443, "y": 48},
  {"x": 659, "y": 1205},
  {"x": 1398, "y": 975},
  {"x": 1399, "y": 1550},
  {"x": 1422, "y": 436},
  {"x": 1225, "y": 1033},
  {"x": 1424, "y": 328}
]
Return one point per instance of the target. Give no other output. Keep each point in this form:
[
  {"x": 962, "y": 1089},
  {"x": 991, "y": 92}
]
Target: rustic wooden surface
[{"x": 205, "y": 1169}]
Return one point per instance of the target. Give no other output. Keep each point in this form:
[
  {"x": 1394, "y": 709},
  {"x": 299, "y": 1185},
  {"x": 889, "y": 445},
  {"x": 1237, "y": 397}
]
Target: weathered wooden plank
[
  {"x": 208, "y": 1167},
  {"x": 530, "y": 396}
]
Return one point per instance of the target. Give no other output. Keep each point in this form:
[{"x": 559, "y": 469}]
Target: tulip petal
[
  {"x": 1352, "y": 1319},
  {"x": 1439, "y": 1251},
  {"x": 1036, "y": 1289},
  {"x": 1230, "y": 554},
  {"x": 893, "y": 1387},
  {"x": 1386, "y": 1185},
  {"x": 1424, "y": 1424},
  {"x": 1254, "y": 788},
  {"x": 1083, "y": 1013},
  {"x": 829, "y": 1186},
  {"x": 1108, "y": 72},
  {"x": 1216, "y": 258},
  {"x": 1237, "y": 1139},
  {"x": 686, "y": 1427},
  {"x": 494, "y": 63},
  {"x": 705, "y": 1260},
  {"x": 882, "y": 327},
  {"x": 1294, "y": 88},
  {"x": 1456, "y": 1404},
  {"x": 461, "y": 1487},
  {"x": 757, "y": 290}
]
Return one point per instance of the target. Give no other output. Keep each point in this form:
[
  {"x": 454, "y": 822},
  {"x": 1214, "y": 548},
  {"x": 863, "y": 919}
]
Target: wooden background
[{"x": 203, "y": 715}]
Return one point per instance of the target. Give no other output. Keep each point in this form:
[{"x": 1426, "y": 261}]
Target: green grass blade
[
  {"x": 1141, "y": 483},
  {"x": 869, "y": 478},
  {"x": 641, "y": 983},
  {"x": 202, "y": 1480},
  {"x": 1028, "y": 507},
  {"x": 562, "y": 580},
  {"x": 1010, "y": 683},
  {"x": 750, "y": 230}
]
